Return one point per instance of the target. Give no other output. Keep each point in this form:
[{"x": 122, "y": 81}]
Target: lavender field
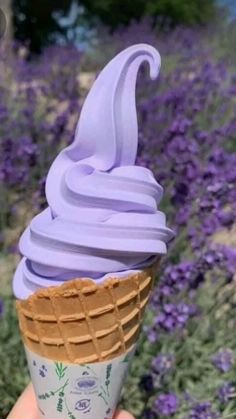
[{"x": 185, "y": 365}]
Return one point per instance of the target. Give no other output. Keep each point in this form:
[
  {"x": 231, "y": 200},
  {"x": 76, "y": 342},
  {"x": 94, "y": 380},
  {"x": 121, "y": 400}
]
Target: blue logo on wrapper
[
  {"x": 82, "y": 405},
  {"x": 85, "y": 383}
]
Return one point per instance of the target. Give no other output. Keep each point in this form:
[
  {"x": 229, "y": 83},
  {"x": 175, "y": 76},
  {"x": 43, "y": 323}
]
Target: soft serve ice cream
[
  {"x": 102, "y": 216},
  {"x": 87, "y": 268}
]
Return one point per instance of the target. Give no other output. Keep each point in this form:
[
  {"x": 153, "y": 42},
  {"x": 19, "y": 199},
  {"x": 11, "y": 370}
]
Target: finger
[
  {"x": 122, "y": 414},
  {"x": 26, "y": 406}
]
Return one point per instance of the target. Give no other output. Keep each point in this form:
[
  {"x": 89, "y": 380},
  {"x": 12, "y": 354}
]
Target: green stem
[
  {"x": 62, "y": 387},
  {"x": 67, "y": 408},
  {"x": 101, "y": 395},
  {"x": 108, "y": 393},
  {"x": 89, "y": 368},
  {"x": 103, "y": 389}
]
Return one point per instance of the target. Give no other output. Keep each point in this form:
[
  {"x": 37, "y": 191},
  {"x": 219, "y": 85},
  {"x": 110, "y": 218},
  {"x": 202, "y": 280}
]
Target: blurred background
[{"x": 50, "y": 53}]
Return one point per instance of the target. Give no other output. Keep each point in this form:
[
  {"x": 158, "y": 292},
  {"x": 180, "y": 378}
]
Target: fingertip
[
  {"x": 29, "y": 391},
  {"x": 123, "y": 414},
  {"x": 26, "y": 404}
]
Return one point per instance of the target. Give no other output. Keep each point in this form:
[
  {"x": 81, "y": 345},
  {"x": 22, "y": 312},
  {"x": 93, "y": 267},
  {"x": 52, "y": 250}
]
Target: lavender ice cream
[{"x": 102, "y": 215}]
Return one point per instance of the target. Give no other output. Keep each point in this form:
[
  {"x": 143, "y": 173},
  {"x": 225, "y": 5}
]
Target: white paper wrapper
[{"x": 73, "y": 391}]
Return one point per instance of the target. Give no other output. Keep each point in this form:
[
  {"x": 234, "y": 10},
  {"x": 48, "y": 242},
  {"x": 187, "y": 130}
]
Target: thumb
[
  {"x": 26, "y": 406},
  {"x": 122, "y": 414}
]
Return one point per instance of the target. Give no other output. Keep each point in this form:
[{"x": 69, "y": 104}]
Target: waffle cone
[{"x": 81, "y": 321}]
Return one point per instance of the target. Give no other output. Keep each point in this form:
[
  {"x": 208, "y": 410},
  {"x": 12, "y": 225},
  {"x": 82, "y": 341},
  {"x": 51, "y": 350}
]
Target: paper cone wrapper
[
  {"x": 89, "y": 390},
  {"x": 82, "y": 329}
]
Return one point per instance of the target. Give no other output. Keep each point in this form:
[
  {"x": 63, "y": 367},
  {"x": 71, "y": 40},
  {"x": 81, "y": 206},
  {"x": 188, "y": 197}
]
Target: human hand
[{"x": 26, "y": 407}]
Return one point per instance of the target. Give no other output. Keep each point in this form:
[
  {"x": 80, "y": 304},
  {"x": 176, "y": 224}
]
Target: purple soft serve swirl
[{"x": 102, "y": 214}]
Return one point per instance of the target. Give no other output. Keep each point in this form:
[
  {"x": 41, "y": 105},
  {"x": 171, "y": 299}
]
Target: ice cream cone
[
  {"x": 78, "y": 328},
  {"x": 81, "y": 321}
]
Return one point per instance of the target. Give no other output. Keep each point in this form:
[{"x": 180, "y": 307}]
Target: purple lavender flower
[
  {"x": 149, "y": 414},
  {"x": 203, "y": 411},
  {"x": 166, "y": 404},
  {"x": 223, "y": 360},
  {"x": 1, "y": 308},
  {"x": 226, "y": 218},
  {"x": 174, "y": 316},
  {"x": 161, "y": 364},
  {"x": 228, "y": 260},
  {"x": 225, "y": 392},
  {"x": 146, "y": 383},
  {"x": 176, "y": 278},
  {"x": 151, "y": 333}
]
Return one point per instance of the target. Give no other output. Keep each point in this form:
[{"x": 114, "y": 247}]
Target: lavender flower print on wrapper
[
  {"x": 102, "y": 216},
  {"x": 42, "y": 373}
]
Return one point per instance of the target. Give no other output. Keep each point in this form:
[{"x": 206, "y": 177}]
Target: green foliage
[
  {"x": 182, "y": 11},
  {"x": 13, "y": 372},
  {"x": 193, "y": 371},
  {"x": 115, "y": 12},
  {"x": 39, "y": 26},
  {"x": 36, "y": 24}
]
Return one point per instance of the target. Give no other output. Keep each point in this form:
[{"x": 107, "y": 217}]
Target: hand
[{"x": 26, "y": 407}]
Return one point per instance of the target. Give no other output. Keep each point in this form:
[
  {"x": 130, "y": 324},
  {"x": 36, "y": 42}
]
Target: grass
[{"x": 14, "y": 374}]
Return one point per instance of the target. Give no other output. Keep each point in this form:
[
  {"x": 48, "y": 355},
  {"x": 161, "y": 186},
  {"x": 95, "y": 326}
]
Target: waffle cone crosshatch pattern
[{"x": 81, "y": 321}]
